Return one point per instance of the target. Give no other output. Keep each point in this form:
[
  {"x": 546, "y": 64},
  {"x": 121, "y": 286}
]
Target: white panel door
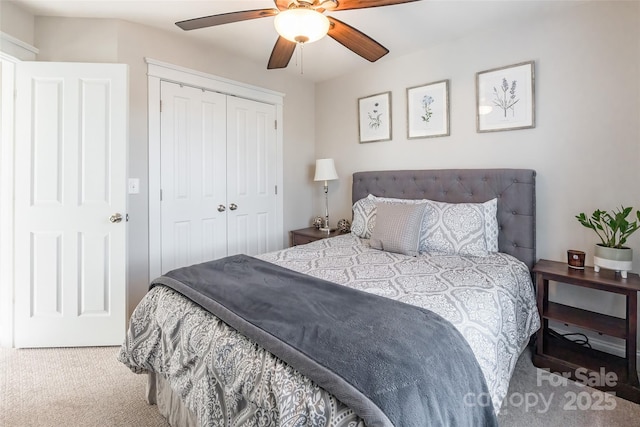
[
  {"x": 193, "y": 168},
  {"x": 71, "y": 157},
  {"x": 251, "y": 177}
]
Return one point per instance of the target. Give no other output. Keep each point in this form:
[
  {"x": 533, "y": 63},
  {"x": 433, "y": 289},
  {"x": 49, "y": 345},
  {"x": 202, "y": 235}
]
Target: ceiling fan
[{"x": 303, "y": 21}]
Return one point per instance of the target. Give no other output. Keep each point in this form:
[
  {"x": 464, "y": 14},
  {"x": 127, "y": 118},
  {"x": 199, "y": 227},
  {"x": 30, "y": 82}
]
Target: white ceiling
[{"x": 402, "y": 29}]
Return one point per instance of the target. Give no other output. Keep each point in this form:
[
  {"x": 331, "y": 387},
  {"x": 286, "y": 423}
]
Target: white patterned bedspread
[{"x": 490, "y": 300}]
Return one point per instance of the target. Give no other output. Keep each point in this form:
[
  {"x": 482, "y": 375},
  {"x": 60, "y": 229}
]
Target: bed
[{"x": 203, "y": 372}]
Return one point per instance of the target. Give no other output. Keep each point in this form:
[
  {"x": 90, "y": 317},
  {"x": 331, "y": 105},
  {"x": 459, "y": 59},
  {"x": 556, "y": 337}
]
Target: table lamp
[{"x": 325, "y": 171}]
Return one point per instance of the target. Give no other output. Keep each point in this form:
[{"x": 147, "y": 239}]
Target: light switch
[{"x": 134, "y": 185}]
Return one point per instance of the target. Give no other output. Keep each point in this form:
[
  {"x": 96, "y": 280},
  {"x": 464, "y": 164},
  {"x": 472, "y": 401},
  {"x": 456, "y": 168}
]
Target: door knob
[
  {"x": 116, "y": 217},
  {"x": 233, "y": 206},
  {"x": 221, "y": 208}
]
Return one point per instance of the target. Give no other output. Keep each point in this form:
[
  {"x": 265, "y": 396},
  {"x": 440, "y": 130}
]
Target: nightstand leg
[
  {"x": 632, "y": 330},
  {"x": 542, "y": 286}
]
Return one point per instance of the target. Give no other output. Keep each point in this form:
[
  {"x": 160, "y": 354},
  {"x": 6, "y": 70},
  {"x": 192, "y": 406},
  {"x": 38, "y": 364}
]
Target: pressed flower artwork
[
  {"x": 374, "y": 117},
  {"x": 428, "y": 110},
  {"x": 427, "y": 100},
  {"x": 505, "y": 98}
]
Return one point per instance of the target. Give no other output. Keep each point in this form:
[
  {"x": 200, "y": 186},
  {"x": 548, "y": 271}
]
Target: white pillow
[
  {"x": 460, "y": 228},
  {"x": 397, "y": 228}
]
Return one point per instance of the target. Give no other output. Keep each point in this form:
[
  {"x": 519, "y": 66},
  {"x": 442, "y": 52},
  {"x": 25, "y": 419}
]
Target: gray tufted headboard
[{"x": 514, "y": 188}]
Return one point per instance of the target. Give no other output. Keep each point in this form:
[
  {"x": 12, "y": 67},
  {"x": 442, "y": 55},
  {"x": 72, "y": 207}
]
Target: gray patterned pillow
[
  {"x": 364, "y": 217},
  {"x": 423, "y": 226},
  {"x": 364, "y": 213},
  {"x": 489, "y": 209},
  {"x": 491, "y": 224},
  {"x": 397, "y": 227},
  {"x": 461, "y": 228}
]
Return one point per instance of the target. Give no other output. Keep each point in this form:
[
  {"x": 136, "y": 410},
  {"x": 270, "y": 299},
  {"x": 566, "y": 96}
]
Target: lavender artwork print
[{"x": 505, "y": 98}]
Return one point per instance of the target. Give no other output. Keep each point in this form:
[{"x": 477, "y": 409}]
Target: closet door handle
[
  {"x": 221, "y": 208},
  {"x": 233, "y": 206}
]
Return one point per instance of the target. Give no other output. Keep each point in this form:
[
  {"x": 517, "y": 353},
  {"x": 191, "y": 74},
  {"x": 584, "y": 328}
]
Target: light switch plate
[{"x": 134, "y": 185}]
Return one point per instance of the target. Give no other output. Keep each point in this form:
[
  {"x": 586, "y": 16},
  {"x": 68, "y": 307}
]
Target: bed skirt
[{"x": 169, "y": 403}]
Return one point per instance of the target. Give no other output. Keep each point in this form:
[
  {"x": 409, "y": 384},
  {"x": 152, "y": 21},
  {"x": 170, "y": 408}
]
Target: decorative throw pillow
[
  {"x": 460, "y": 228},
  {"x": 397, "y": 227},
  {"x": 423, "y": 226}
]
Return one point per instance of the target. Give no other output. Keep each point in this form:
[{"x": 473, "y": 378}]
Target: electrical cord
[{"x": 583, "y": 340}]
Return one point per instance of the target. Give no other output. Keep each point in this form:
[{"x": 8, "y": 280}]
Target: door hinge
[
  {"x": 275, "y": 124},
  {"x": 161, "y": 105},
  {"x": 276, "y": 190},
  {"x": 160, "y": 194}
]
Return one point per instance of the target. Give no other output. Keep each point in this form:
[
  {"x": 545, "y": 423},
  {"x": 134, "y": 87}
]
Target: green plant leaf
[{"x": 612, "y": 228}]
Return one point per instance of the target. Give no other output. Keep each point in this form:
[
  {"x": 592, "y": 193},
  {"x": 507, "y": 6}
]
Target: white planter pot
[{"x": 613, "y": 259}]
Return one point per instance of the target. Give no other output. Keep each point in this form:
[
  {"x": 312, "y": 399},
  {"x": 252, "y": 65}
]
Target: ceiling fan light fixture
[{"x": 301, "y": 25}]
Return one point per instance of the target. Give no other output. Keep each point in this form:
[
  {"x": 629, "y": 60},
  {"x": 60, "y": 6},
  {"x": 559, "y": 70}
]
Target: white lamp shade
[
  {"x": 301, "y": 25},
  {"x": 325, "y": 170}
]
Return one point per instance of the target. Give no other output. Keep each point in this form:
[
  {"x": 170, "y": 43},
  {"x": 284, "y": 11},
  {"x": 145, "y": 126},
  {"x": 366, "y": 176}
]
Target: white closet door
[
  {"x": 193, "y": 165},
  {"x": 71, "y": 157},
  {"x": 251, "y": 177}
]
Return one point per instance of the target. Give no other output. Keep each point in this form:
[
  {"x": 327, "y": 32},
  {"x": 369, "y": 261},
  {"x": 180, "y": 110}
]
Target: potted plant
[{"x": 613, "y": 229}]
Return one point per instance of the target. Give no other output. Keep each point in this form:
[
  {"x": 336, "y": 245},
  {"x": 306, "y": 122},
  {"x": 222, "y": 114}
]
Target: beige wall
[
  {"x": 76, "y": 40},
  {"x": 16, "y": 22},
  {"x": 586, "y": 143}
]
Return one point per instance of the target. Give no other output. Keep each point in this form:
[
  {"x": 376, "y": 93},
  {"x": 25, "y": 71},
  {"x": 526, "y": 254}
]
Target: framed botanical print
[
  {"x": 374, "y": 117},
  {"x": 505, "y": 98},
  {"x": 428, "y": 110}
]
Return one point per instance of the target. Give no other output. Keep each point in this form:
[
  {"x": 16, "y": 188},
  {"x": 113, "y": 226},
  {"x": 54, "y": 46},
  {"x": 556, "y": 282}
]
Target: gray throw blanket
[{"x": 394, "y": 364}]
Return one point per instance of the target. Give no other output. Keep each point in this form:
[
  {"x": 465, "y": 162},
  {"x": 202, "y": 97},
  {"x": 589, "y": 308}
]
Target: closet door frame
[{"x": 158, "y": 71}]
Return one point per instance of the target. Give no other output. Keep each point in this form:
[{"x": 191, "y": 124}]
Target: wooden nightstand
[
  {"x": 565, "y": 357},
  {"x": 308, "y": 235}
]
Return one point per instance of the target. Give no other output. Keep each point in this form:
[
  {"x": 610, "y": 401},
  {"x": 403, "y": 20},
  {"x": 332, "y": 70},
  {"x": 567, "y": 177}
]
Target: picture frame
[
  {"x": 505, "y": 98},
  {"x": 374, "y": 117},
  {"x": 428, "y": 110}
]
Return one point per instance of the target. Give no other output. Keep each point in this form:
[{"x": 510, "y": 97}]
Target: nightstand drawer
[
  {"x": 308, "y": 235},
  {"x": 302, "y": 240}
]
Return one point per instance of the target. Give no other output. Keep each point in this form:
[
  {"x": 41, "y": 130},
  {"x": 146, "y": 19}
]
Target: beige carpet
[
  {"x": 88, "y": 387},
  {"x": 71, "y": 387},
  {"x": 567, "y": 405}
]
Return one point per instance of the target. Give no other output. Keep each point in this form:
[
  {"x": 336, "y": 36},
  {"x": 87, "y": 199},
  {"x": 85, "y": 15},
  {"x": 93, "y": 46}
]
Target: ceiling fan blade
[
  {"x": 225, "y": 18},
  {"x": 361, "y": 4},
  {"x": 356, "y": 41},
  {"x": 281, "y": 53}
]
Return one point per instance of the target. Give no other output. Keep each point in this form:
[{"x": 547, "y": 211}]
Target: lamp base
[{"x": 327, "y": 229}]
